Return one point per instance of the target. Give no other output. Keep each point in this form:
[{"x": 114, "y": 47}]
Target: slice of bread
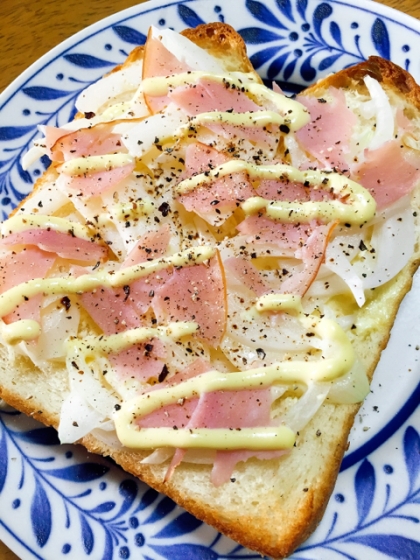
[{"x": 270, "y": 506}]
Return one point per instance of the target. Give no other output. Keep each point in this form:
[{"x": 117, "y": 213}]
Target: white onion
[
  {"x": 56, "y": 328},
  {"x": 393, "y": 240},
  {"x": 306, "y": 406},
  {"x": 88, "y": 384},
  {"x": 158, "y": 456},
  {"x": 384, "y": 130},
  {"x": 340, "y": 264},
  {"x": 188, "y": 52},
  {"x": 32, "y": 155},
  {"x": 77, "y": 418},
  {"x": 110, "y": 87},
  {"x": 140, "y": 138}
]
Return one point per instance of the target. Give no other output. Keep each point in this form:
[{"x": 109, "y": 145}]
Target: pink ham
[
  {"x": 158, "y": 61},
  {"x": 195, "y": 293},
  {"x": 151, "y": 246},
  {"x": 95, "y": 141},
  {"x": 247, "y": 274},
  {"x": 51, "y": 135},
  {"x": 17, "y": 268},
  {"x": 262, "y": 230},
  {"x": 264, "y": 137},
  {"x": 230, "y": 410},
  {"x": 312, "y": 254},
  {"x": 110, "y": 309},
  {"x": 64, "y": 245},
  {"x": 208, "y": 95},
  {"x": 94, "y": 184},
  {"x": 217, "y": 201},
  {"x": 386, "y": 173},
  {"x": 327, "y": 135},
  {"x": 174, "y": 416},
  {"x": 143, "y": 362},
  {"x": 274, "y": 189}
]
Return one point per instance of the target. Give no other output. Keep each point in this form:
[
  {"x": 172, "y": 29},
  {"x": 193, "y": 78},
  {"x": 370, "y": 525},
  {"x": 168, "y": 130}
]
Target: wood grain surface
[{"x": 29, "y": 29}]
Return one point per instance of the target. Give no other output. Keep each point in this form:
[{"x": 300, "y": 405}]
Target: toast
[{"x": 269, "y": 504}]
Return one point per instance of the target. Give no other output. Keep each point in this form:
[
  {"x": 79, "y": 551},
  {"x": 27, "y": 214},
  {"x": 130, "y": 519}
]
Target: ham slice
[
  {"x": 263, "y": 136},
  {"x": 159, "y": 61},
  {"x": 286, "y": 237},
  {"x": 51, "y": 135},
  {"x": 95, "y": 141},
  {"x": 143, "y": 362},
  {"x": 312, "y": 254},
  {"x": 386, "y": 174},
  {"x": 195, "y": 293},
  {"x": 110, "y": 309},
  {"x": 94, "y": 184},
  {"x": 215, "y": 202},
  {"x": 232, "y": 410},
  {"x": 62, "y": 244},
  {"x": 327, "y": 135},
  {"x": 208, "y": 95},
  {"x": 247, "y": 274},
  {"x": 151, "y": 246},
  {"x": 17, "y": 268}
]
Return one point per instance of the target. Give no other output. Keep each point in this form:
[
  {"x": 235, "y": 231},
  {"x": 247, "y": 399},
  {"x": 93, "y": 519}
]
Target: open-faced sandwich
[{"x": 202, "y": 282}]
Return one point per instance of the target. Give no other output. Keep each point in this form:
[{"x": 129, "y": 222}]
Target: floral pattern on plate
[{"x": 59, "y": 501}]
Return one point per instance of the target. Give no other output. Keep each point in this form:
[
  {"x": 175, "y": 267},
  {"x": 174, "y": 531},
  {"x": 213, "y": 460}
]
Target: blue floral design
[
  {"x": 371, "y": 527},
  {"x": 70, "y": 505},
  {"x": 56, "y": 489},
  {"x": 304, "y": 40}
]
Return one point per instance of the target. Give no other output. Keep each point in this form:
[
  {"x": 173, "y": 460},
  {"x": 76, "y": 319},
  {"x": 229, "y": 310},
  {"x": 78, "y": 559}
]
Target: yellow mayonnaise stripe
[
  {"x": 359, "y": 207},
  {"x": 133, "y": 209},
  {"x": 88, "y": 282},
  {"x": 91, "y": 345},
  {"x": 80, "y": 166},
  {"x": 340, "y": 360},
  {"x": 297, "y": 371},
  {"x": 248, "y": 118},
  {"x": 23, "y": 222},
  {"x": 267, "y": 438},
  {"x": 296, "y": 113},
  {"x": 25, "y": 329}
]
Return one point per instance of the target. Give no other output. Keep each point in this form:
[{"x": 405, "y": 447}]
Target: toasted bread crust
[
  {"x": 223, "y": 42},
  {"x": 292, "y": 505},
  {"x": 385, "y": 72}
]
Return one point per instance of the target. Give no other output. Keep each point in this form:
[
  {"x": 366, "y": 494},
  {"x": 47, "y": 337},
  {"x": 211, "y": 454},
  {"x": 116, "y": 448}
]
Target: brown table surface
[{"x": 29, "y": 29}]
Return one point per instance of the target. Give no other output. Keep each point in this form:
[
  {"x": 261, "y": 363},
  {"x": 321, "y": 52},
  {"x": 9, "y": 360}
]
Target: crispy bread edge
[{"x": 263, "y": 535}]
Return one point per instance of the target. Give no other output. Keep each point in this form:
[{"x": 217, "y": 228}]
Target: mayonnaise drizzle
[
  {"x": 23, "y": 222},
  {"x": 114, "y": 343},
  {"x": 133, "y": 209},
  {"x": 296, "y": 113},
  {"x": 248, "y": 118},
  {"x": 336, "y": 360},
  {"x": 25, "y": 329},
  {"x": 265, "y": 438},
  {"x": 88, "y": 282},
  {"x": 80, "y": 166},
  {"x": 359, "y": 207}
]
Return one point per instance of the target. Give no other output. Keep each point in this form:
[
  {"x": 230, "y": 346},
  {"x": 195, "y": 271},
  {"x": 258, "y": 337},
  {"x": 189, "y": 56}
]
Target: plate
[{"x": 60, "y": 502}]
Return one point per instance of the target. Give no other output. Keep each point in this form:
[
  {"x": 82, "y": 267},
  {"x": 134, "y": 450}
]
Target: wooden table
[{"x": 30, "y": 28}]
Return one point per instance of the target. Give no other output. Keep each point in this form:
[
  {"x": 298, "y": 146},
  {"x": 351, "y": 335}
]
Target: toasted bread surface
[{"x": 270, "y": 506}]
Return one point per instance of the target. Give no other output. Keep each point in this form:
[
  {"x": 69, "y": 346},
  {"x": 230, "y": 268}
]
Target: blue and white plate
[{"x": 58, "y": 501}]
